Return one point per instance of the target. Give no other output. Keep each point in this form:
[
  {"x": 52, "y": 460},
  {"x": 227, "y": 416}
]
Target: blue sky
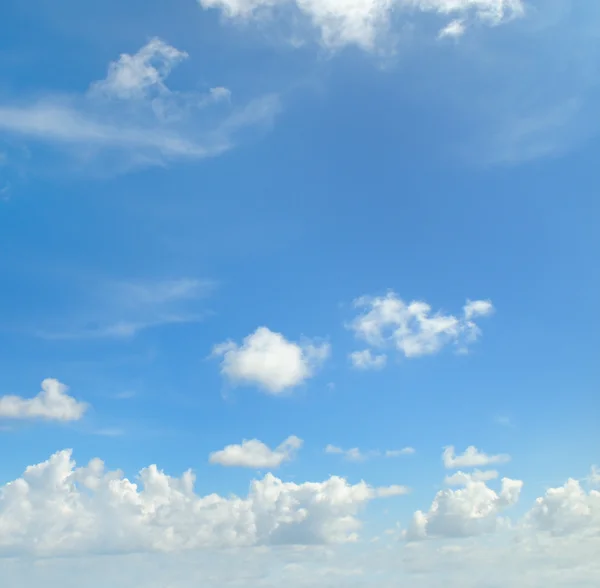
[{"x": 304, "y": 246}]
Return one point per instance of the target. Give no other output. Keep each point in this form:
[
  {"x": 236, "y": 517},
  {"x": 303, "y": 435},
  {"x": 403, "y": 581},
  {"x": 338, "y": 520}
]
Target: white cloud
[
  {"x": 132, "y": 118},
  {"x": 464, "y": 479},
  {"x": 566, "y": 510},
  {"x": 255, "y": 454},
  {"x": 353, "y": 454},
  {"x": 270, "y": 361},
  {"x": 400, "y": 452},
  {"x": 453, "y": 29},
  {"x": 472, "y": 457},
  {"x": 133, "y": 76},
  {"x": 387, "y": 321},
  {"x": 56, "y": 508},
  {"x": 52, "y": 404},
  {"x": 365, "y": 360},
  {"x": 364, "y": 23},
  {"x": 469, "y": 511}
]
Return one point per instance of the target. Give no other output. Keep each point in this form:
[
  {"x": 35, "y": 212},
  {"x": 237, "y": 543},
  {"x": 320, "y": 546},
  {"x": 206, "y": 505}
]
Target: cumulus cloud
[
  {"x": 472, "y": 457},
  {"x": 255, "y": 454},
  {"x": 387, "y": 321},
  {"x": 269, "y": 361},
  {"x": 364, "y": 23},
  {"x": 53, "y": 403},
  {"x": 464, "y": 479},
  {"x": 567, "y": 510},
  {"x": 134, "y": 118},
  {"x": 365, "y": 360},
  {"x": 57, "y": 508},
  {"x": 469, "y": 511}
]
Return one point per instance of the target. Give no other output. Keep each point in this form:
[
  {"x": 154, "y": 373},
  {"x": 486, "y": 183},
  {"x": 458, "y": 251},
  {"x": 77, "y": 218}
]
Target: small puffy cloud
[
  {"x": 133, "y": 76},
  {"x": 472, "y": 457},
  {"x": 477, "y": 308},
  {"x": 366, "y": 360},
  {"x": 269, "y": 361},
  {"x": 566, "y": 510},
  {"x": 57, "y": 508},
  {"x": 53, "y": 403},
  {"x": 400, "y": 452},
  {"x": 469, "y": 511},
  {"x": 463, "y": 479},
  {"x": 256, "y": 455},
  {"x": 453, "y": 29},
  {"x": 363, "y": 23},
  {"x": 412, "y": 328}
]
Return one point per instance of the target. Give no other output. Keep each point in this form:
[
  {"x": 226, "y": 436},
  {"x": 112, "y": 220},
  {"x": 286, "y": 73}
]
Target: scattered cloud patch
[
  {"x": 122, "y": 309},
  {"x": 400, "y": 452},
  {"x": 57, "y": 508},
  {"x": 366, "y": 360},
  {"x": 268, "y": 360},
  {"x": 133, "y": 117},
  {"x": 472, "y": 457},
  {"x": 363, "y": 23},
  {"x": 53, "y": 403},
  {"x": 412, "y": 329},
  {"x": 453, "y": 29},
  {"x": 256, "y": 455}
]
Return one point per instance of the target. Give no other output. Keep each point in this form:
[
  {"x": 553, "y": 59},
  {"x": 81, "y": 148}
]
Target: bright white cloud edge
[
  {"x": 53, "y": 403},
  {"x": 268, "y": 360}
]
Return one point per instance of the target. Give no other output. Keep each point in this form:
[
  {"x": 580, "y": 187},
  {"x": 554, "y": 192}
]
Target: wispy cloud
[
  {"x": 134, "y": 115},
  {"x": 121, "y": 309}
]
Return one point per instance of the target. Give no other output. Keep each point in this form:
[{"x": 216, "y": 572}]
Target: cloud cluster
[
  {"x": 57, "y": 508},
  {"x": 469, "y": 511},
  {"x": 364, "y": 23},
  {"x": 256, "y": 455},
  {"x": 412, "y": 329},
  {"x": 132, "y": 113},
  {"x": 53, "y": 403},
  {"x": 268, "y": 360}
]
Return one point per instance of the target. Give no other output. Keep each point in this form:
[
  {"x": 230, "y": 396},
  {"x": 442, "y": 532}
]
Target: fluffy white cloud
[
  {"x": 53, "y": 403},
  {"x": 365, "y": 22},
  {"x": 472, "y": 457},
  {"x": 270, "y": 361},
  {"x": 566, "y": 510},
  {"x": 132, "y": 118},
  {"x": 366, "y": 360},
  {"x": 387, "y": 321},
  {"x": 469, "y": 511},
  {"x": 57, "y": 508},
  {"x": 464, "y": 479},
  {"x": 255, "y": 454}
]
